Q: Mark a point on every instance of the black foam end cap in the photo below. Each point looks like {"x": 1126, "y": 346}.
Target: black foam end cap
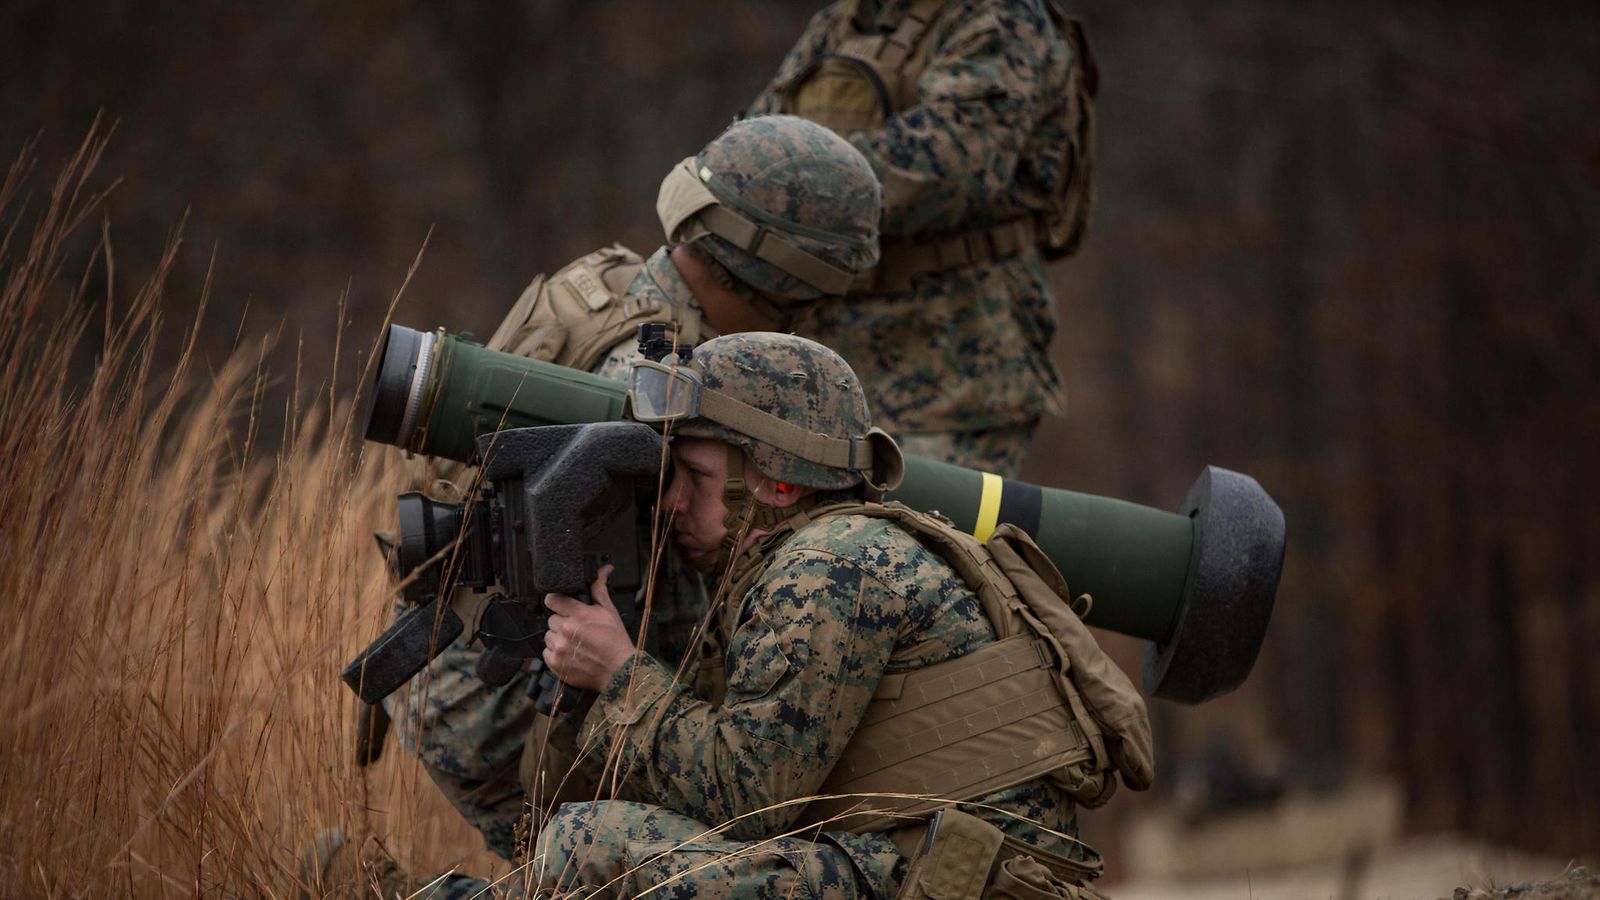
{"x": 1233, "y": 582}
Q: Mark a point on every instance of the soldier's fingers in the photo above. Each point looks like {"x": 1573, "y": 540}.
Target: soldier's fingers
{"x": 560, "y": 603}
{"x": 598, "y": 590}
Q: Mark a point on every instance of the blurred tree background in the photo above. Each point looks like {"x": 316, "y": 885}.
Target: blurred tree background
{"x": 1351, "y": 249}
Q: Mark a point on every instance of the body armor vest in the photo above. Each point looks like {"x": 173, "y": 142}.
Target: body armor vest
{"x": 574, "y": 317}
{"x": 867, "y": 77}
{"x": 1043, "y": 700}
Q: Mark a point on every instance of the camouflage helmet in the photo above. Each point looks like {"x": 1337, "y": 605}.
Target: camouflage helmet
{"x": 787, "y": 206}
{"x": 828, "y": 441}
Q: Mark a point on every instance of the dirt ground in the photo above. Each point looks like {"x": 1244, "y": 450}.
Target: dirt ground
{"x": 1422, "y": 868}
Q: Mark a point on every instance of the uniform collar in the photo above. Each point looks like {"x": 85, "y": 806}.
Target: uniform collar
{"x": 661, "y": 280}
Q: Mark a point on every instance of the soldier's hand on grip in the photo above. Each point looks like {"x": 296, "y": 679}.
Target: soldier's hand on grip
{"x": 586, "y": 643}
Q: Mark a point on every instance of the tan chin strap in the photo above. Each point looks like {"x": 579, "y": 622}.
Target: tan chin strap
{"x": 689, "y": 211}
{"x": 747, "y": 512}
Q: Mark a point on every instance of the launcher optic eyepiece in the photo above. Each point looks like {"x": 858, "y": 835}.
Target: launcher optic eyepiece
{"x": 1199, "y": 584}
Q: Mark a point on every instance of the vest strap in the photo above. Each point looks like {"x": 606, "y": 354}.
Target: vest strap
{"x": 989, "y": 664}
{"x": 902, "y": 258}
{"x": 953, "y": 730}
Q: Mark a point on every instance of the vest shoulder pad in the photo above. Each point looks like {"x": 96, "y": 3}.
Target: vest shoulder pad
{"x": 573, "y": 317}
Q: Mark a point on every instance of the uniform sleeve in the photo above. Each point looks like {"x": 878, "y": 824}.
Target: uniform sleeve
{"x": 948, "y": 161}
{"x": 813, "y": 641}
{"x": 805, "y": 51}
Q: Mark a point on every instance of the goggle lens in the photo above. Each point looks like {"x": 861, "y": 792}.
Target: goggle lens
{"x": 660, "y": 393}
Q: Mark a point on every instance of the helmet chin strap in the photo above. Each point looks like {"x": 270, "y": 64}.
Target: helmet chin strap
{"x": 746, "y": 511}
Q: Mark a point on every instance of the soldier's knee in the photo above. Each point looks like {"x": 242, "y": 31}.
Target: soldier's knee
{"x": 582, "y": 844}
{"x": 568, "y": 819}
{"x": 592, "y": 821}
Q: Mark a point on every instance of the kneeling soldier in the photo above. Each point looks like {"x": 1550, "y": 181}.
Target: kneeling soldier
{"x": 898, "y": 709}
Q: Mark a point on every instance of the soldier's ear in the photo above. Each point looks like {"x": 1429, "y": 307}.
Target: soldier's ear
{"x": 783, "y": 499}
{"x": 778, "y": 494}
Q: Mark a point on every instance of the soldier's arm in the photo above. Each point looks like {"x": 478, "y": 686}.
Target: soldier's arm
{"x": 799, "y": 58}
{"x": 814, "y": 639}
{"x": 953, "y": 156}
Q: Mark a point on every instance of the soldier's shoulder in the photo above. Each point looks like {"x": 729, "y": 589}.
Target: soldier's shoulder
{"x": 615, "y": 254}
{"x": 1015, "y": 19}
{"x": 599, "y": 276}
{"x": 878, "y": 546}
{"x": 843, "y": 532}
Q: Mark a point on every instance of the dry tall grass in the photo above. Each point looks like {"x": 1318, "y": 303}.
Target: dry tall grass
{"x": 179, "y": 601}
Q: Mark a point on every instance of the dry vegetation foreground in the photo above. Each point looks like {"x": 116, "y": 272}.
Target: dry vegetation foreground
{"x": 180, "y": 602}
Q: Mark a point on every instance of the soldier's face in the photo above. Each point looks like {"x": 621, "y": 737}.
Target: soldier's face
{"x": 725, "y": 307}
{"x": 700, "y": 469}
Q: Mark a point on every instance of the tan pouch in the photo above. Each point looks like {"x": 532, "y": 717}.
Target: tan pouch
{"x": 843, "y": 94}
{"x": 1024, "y": 878}
{"x": 1110, "y": 697}
{"x": 574, "y": 317}
{"x": 955, "y": 858}
{"x": 962, "y": 857}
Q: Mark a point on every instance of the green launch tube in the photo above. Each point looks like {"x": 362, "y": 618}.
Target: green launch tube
{"x": 436, "y": 392}
{"x": 1130, "y": 559}
{"x": 1198, "y": 584}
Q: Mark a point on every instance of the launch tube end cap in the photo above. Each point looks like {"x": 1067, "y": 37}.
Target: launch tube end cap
{"x": 1233, "y": 580}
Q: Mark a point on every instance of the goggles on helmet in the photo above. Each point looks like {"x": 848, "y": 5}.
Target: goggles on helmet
{"x": 661, "y": 393}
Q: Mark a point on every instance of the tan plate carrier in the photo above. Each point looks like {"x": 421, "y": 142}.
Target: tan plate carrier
{"x": 1043, "y": 700}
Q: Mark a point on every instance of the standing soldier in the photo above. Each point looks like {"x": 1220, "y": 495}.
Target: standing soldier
{"x": 977, "y": 116}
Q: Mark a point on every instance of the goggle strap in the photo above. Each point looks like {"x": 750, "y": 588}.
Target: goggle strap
{"x": 853, "y": 453}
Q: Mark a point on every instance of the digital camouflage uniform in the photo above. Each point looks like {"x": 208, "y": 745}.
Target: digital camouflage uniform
{"x": 999, "y": 122}
{"x": 835, "y": 605}
{"x": 469, "y": 735}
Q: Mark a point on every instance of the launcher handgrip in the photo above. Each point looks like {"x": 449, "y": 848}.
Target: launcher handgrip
{"x": 410, "y": 643}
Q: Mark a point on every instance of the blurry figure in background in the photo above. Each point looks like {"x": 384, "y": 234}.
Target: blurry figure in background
{"x": 776, "y": 211}
{"x": 978, "y": 117}
{"x": 1227, "y": 777}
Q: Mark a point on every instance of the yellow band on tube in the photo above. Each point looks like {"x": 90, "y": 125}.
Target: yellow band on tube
{"x": 988, "y": 507}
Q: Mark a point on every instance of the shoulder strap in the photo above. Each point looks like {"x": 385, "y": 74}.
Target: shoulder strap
{"x": 899, "y": 54}
{"x": 896, "y": 43}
